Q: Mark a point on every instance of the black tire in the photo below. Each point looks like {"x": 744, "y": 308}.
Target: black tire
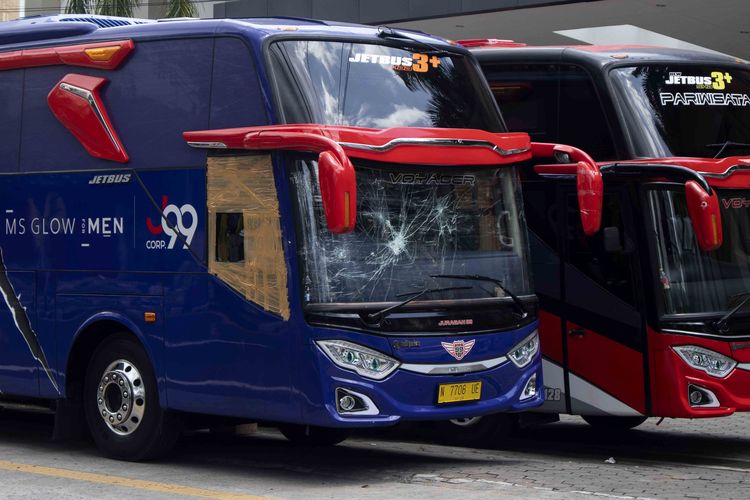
{"x": 150, "y": 434}
{"x": 616, "y": 424}
{"x": 478, "y": 432}
{"x": 313, "y": 436}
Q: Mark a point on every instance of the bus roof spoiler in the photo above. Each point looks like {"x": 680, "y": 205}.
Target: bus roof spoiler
{"x": 489, "y": 43}
{"x": 702, "y": 201}
{"x": 335, "y": 145}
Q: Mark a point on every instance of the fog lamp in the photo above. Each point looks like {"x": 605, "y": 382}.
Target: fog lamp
{"x": 347, "y": 403}
{"x": 696, "y": 397}
{"x": 530, "y": 390}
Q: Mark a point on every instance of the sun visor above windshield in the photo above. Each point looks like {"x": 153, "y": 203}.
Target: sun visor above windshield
{"x": 404, "y": 145}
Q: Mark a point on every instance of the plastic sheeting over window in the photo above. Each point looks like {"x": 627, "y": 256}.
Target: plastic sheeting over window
{"x": 245, "y": 185}
{"x": 412, "y": 224}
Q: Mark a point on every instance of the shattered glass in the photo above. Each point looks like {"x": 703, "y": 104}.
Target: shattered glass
{"x": 412, "y": 224}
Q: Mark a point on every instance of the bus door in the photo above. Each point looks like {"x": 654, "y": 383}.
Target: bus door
{"x": 603, "y": 329}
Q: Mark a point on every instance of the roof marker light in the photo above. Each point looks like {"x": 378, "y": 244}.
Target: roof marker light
{"x": 102, "y": 53}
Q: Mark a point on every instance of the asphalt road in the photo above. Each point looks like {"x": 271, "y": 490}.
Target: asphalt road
{"x": 678, "y": 459}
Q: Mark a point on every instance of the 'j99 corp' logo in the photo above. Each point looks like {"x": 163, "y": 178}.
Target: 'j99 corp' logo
{"x": 177, "y": 223}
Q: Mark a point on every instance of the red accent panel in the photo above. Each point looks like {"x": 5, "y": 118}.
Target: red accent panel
{"x": 489, "y": 43}
{"x": 670, "y": 376}
{"x": 740, "y": 351}
{"x": 738, "y": 179}
{"x": 590, "y": 196}
{"x": 550, "y": 336}
{"x": 338, "y": 183}
{"x": 609, "y": 365}
{"x": 70, "y": 55}
{"x": 338, "y": 188}
{"x": 79, "y": 116}
{"x": 589, "y": 182}
{"x": 705, "y": 215}
{"x": 404, "y": 153}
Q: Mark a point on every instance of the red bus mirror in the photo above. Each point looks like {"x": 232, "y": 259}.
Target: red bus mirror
{"x": 704, "y": 215}
{"x": 590, "y": 193}
{"x": 338, "y": 189}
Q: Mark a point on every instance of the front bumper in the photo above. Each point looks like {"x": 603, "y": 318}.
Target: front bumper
{"x": 671, "y": 378}
{"x": 406, "y": 395}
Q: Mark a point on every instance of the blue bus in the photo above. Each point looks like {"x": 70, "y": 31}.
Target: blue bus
{"x": 311, "y": 224}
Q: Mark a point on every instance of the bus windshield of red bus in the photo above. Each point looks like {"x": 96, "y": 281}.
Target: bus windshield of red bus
{"x": 692, "y": 281}
{"x": 378, "y": 86}
{"x": 687, "y": 110}
{"x": 412, "y": 224}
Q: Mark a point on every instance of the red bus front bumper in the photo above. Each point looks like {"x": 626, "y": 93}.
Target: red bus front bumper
{"x": 671, "y": 377}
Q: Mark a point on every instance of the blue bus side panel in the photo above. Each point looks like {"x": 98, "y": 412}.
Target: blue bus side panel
{"x": 11, "y": 86}
{"x": 160, "y": 91}
{"x": 236, "y": 96}
{"x": 224, "y": 355}
{"x": 77, "y": 230}
{"x": 18, "y": 368}
{"x": 99, "y": 221}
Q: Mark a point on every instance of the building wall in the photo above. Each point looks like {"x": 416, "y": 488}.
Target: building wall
{"x": 13, "y": 9}
{"x": 367, "y": 11}
{"x": 9, "y": 9}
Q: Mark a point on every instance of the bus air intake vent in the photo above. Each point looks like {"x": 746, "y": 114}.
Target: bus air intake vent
{"x": 103, "y": 22}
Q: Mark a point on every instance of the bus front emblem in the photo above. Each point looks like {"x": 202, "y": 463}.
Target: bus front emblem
{"x": 458, "y": 348}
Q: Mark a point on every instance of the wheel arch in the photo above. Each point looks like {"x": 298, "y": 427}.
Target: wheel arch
{"x": 89, "y": 336}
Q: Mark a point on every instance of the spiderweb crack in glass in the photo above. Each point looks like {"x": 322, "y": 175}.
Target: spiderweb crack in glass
{"x": 407, "y": 231}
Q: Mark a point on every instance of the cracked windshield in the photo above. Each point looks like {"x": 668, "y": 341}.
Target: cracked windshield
{"x": 411, "y": 225}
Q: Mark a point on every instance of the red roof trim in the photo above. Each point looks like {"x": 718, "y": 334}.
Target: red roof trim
{"x": 406, "y": 145}
{"x": 69, "y": 55}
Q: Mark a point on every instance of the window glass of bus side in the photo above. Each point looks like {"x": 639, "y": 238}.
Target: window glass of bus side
{"x": 582, "y": 122}
{"x": 610, "y": 268}
{"x": 527, "y": 97}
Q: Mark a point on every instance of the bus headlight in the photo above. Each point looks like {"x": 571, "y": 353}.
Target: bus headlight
{"x": 706, "y": 360}
{"x": 366, "y": 362}
{"x": 524, "y": 352}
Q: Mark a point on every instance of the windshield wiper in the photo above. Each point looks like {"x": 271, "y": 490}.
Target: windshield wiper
{"x": 378, "y": 315}
{"x": 722, "y": 324}
{"x": 475, "y": 277}
{"x": 387, "y": 32}
{"x": 725, "y": 145}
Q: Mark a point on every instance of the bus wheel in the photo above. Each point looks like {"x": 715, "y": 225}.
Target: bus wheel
{"x": 613, "y": 423}
{"x": 121, "y": 402}
{"x": 482, "y": 432}
{"x": 312, "y": 435}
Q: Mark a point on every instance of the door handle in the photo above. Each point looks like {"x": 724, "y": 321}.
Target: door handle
{"x": 576, "y": 332}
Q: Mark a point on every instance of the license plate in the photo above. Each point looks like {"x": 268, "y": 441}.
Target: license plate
{"x": 451, "y": 393}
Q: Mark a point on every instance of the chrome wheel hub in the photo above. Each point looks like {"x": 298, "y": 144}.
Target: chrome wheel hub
{"x": 121, "y": 397}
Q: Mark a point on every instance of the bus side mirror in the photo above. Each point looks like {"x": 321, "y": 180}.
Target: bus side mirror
{"x": 704, "y": 215}
{"x": 338, "y": 189}
{"x": 590, "y": 193}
